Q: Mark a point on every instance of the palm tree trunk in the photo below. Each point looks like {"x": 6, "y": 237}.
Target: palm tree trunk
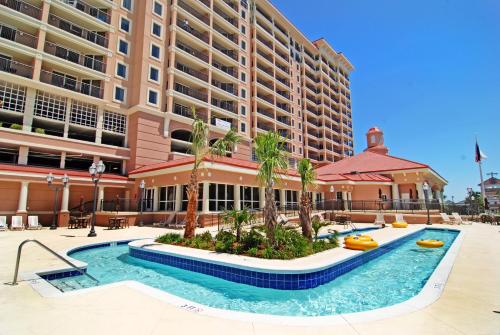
{"x": 305, "y": 215}
{"x": 270, "y": 214}
{"x": 192, "y": 194}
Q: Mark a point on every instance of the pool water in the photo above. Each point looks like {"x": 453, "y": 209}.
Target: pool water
{"x": 389, "y": 279}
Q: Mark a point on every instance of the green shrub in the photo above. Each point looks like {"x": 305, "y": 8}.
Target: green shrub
{"x": 252, "y": 252}
{"x": 205, "y": 237}
{"x": 170, "y": 238}
{"x": 268, "y": 253}
{"x": 224, "y": 241}
{"x": 39, "y": 130}
{"x": 290, "y": 243}
{"x": 16, "y": 126}
{"x": 334, "y": 240}
{"x": 251, "y": 239}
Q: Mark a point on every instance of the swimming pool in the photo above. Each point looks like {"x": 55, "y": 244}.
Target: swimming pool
{"x": 386, "y": 280}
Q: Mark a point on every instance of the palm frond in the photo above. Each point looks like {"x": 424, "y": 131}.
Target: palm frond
{"x": 273, "y": 159}
{"x": 225, "y": 144}
{"x": 307, "y": 174}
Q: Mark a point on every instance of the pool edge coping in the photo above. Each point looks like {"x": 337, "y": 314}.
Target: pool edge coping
{"x": 431, "y": 292}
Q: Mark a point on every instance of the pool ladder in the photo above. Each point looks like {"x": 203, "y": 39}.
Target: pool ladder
{"x": 20, "y": 248}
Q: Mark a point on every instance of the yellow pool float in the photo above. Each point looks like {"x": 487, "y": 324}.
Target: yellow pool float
{"x": 430, "y": 243}
{"x": 399, "y": 225}
{"x": 360, "y": 242}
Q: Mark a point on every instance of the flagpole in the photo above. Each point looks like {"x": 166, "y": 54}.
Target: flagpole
{"x": 483, "y": 193}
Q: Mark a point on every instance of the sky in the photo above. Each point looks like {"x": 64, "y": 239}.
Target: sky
{"x": 427, "y": 73}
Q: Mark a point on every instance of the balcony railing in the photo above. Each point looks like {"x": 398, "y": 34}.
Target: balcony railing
{"x": 264, "y": 27}
{"x": 76, "y": 30}
{"x": 75, "y": 57}
{"x": 284, "y": 81}
{"x": 231, "y": 4}
{"x": 191, "y": 51}
{"x": 229, "y": 70}
{"x": 184, "y": 25}
{"x": 226, "y": 17}
{"x": 266, "y": 113}
{"x": 264, "y": 127}
{"x": 90, "y": 10}
{"x": 17, "y": 68}
{"x": 284, "y": 120}
{"x": 228, "y": 52}
{"x": 284, "y": 94}
{"x": 283, "y": 106}
{"x": 225, "y": 87}
{"x": 232, "y": 37}
{"x": 283, "y": 68}
{"x": 266, "y": 98}
{"x": 23, "y": 7}
{"x": 226, "y": 105}
{"x": 267, "y": 43}
{"x": 205, "y": 2}
{"x": 18, "y": 36}
{"x": 264, "y": 83}
{"x": 191, "y": 92}
{"x": 191, "y": 72}
{"x": 283, "y": 56}
{"x": 202, "y": 17}
{"x": 70, "y": 83}
{"x": 264, "y": 14}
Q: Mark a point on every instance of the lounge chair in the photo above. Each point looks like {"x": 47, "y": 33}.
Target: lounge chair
{"x": 282, "y": 219}
{"x": 33, "y": 222}
{"x": 446, "y": 219}
{"x": 163, "y": 223}
{"x": 379, "y": 219}
{"x": 182, "y": 224}
{"x": 3, "y": 223}
{"x": 400, "y": 222}
{"x": 458, "y": 219}
{"x": 16, "y": 223}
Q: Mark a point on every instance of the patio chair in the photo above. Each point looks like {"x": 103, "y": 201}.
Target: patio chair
{"x": 282, "y": 219}
{"x": 167, "y": 221}
{"x": 458, "y": 218}
{"x": 33, "y": 222}
{"x": 446, "y": 219}
{"x": 400, "y": 218}
{"x": 379, "y": 219}
{"x": 3, "y": 223}
{"x": 16, "y": 223}
{"x": 182, "y": 224}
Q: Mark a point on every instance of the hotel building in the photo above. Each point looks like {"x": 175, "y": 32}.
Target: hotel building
{"x": 83, "y": 81}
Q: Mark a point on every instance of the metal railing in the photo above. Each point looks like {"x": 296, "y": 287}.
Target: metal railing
{"x": 88, "y": 9}
{"x": 23, "y": 7}
{"x": 17, "y": 68}
{"x": 184, "y": 25}
{"x": 407, "y": 206}
{"x": 75, "y": 57}
{"x": 191, "y": 51}
{"x": 70, "y": 83}
{"x": 18, "y": 260}
{"x": 191, "y": 92}
{"x": 76, "y": 30}
{"x": 18, "y": 36}
{"x": 204, "y": 18}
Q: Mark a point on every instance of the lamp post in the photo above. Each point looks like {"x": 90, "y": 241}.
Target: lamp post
{"x": 142, "y": 185}
{"x": 50, "y": 182}
{"x": 426, "y": 195}
{"x": 96, "y": 172}
{"x": 332, "y": 191}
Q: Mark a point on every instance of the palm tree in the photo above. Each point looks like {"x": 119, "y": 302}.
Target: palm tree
{"x": 200, "y": 148}
{"x": 307, "y": 178}
{"x": 273, "y": 159}
{"x": 238, "y": 218}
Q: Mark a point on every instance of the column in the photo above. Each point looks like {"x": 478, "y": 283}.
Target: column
{"x": 23, "y": 198}
{"x": 65, "y": 199}
{"x": 178, "y": 198}
{"x": 344, "y": 198}
{"x": 100, "y": 197}
{"x": 127, "y": 200}
{"x": 23, "y": 155}
{"x": 438, "y": 196}
{"x": 237, "y": 197}
{"x": 349, "y": 198}
{"x": 100, "y": 118}
{"x": 262, "y": 198}
{"x": 62, "y": 163}
{"x": 205, "y": 207}
{"x": 29, "y": 107}
{"x": 283, "y": 198}
{"x": 66, "y": 120}
{"x": 395, "y": 196}
{"x": 156, "y": 198}
{"x": 420, "y": 191}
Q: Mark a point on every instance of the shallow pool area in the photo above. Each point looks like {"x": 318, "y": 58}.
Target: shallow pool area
{"x": 391, "y": 278}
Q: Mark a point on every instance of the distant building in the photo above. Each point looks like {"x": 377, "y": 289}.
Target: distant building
{"x": 492, "y": 190}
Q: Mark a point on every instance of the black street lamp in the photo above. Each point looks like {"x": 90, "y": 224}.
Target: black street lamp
{"x": 96, "y": 172}
{"x": 426, "y": 195}
{"x": 142, "y": 185}
{"x": 55, "y": 188}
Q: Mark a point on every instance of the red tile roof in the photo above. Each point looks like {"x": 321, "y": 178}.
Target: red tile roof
{"x": 368, "y": 162}
{"x": 55, "y": 171}
{"x": 366, "y": 177}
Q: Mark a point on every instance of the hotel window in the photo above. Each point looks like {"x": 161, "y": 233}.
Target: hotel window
{"x": 291, "y": 199}
{"x": 243, "y": 14}
{"x": 124, "y": 24}
{"x": 249, "y": 197}
{"x": 158, "y": 8}
{"x": 243, "y": 76}
{"x": 243, "y": 30}
{"x": 152, "y": 97}
{"x": 48, "y": 105}
{"x": 115, "y": 122}
{"x": 123, "y": 47}
{"x": 243, "y": 110}
{"x": 155, "y": 51}
{"x": 243, "y": 127}
{"x": 185, "y": 197}
{"x": 121, "y": 70}
{"x": 119, "y": 94}
{"x": 83, "y": 114}
{"x": 243, "y": 60}
{"x": 220, "y": 197}
{"x": 156, "y": 29}
{"x": 154, "y": 74}
{"x": 243, "y": 93}
{"x": 166, "y": 200}
{"x": 243, "y": 45}
{"x": 127, "y": 4}
{"x": 12, "y": 97}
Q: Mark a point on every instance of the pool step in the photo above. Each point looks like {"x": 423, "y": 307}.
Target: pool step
{"x": 72, "y": 284}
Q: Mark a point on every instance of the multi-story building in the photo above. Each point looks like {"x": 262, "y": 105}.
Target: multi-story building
{"x": 89, "y": 80}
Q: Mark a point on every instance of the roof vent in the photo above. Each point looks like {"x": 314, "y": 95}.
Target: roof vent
{"x": 354, "y": 172}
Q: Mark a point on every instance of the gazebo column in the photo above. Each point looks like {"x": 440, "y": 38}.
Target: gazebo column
{"x": 63, "y": 218}
{"x": 22, "y": 204}
{"x": 178, "y": 198}
{"x": 421, "y": 195}
{"x": 344, "y": 198}
{"x": 237, "y": 197}
{"x": 100, "y": 197}
{"x": 205, "y": 205}
{"x": 262, "y": 197}
{"x": 395, "y": 195}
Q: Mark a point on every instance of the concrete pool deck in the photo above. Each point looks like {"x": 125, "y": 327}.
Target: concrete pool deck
{"x": 465, "y": 307}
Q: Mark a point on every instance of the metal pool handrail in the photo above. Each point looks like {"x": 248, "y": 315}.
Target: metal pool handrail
{"x": 19, "y": 249}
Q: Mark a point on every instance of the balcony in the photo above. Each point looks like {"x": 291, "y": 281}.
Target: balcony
{"x": 226, "y": 105}
{"x": 265, "y": 84}
{"x": 265, "y": 98}
{"x": 266, "y": 43}
{"x": 71, "y": 83}
{"x": 226, "y": 17}
{"x": 284, "y": 120}
{"x": 14, "y": 67}
{"x": 231, "y": 4}
{"x": 283, "y": 81}
{"x": 228, "y": 52}
{"x": 264, "y": 127}
{"x": 228, "y": 87}
{"x": 283, "y": 106}
{"x": 231, "y": 37}
{"x": 264, "y": 14}
{"x": 203, "y": 18}
{"x": 229, "y": 70}
{"x": 284, "y": 94}
{"x": 89, "y": 10}
{"x": 191, "y": 51}
{"x": 76, "y": 57}
{"x": 186, "y": 27}
{"x": 191, "y": 92}
{"x": 187, "y": 112}
{"x": 265, "y": 113}
{"x": 191, "y": 72}
{"x": 91, "y": 36}
{"x": 283, "y": 56}
{"x": 283, "y": 68}
{"x": 23, "y": 7}
{"x": 18, "y": 36}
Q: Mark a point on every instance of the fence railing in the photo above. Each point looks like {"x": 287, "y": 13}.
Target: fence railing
{"x": 407, "y": 206}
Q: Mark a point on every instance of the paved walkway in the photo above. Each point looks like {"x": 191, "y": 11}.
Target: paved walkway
{"x": 466, "y": 306}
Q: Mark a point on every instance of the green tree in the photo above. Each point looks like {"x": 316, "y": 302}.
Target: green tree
{"x": 273, "y": 160}
{"x": 308, "y": 179}
{"x": 237, "y": 218}
{"x": 200, "y": 148}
